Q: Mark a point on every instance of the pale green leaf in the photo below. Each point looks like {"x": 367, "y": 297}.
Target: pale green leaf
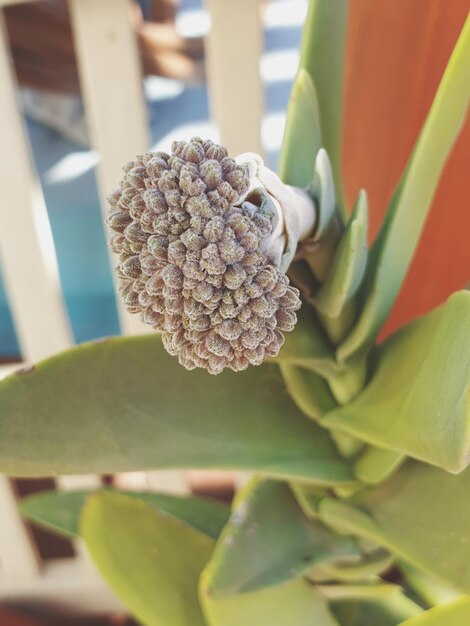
{"x": 268, "y": 541}
{"x": 308, "y": 390}
{"x": 320, "y": 248}
{"x": 390, "y": 610}
{"x": 60, "y": 510}
{"x": 322, "y": 190}
{"x": 307, "y": 346}
{"x": 418, "y": 400}
{"x": 357, "y": 591}
{"x": 308, "y": 498}
{"x": 456, "y": 613}
{"x": 348, "y": 266}
{"x": 125, "y": 404}
{"x": 151, "y": 560}
{"x": 394, "y": 248}
{"x": 376, "y": 464}
{"x": 322, "y": 56}
{"x": 302, "y": 134}
{"x": 421, "y": 514}
{"x": 370, "y": 565}
{"x": 432, "y": 590}
{"x": 293, "y": 603}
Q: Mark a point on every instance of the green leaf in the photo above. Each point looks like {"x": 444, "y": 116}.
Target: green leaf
{"x": 357, "y": 591}
{"x": 390, "y": 610}
{"x": 376, "y": 464}
{"x": 308, "y": 498}
{"x": 60, "y": 511}
{"x": 293, "y": 603}
{"x": 370, "y": 565}
{"x": 455, "y": 614}
{"x": 319, "y": 250}
{"x": 151, "y": 560}
{"x": 308, "y": 390}
{"x": 307, "y": 346}
{"x": 432, "y": 590}
{"x": 421, "y": 514}
{"x": 418, "y": 400}
{"x": 125, "y": 404}
{"x": 348, "y": 266}
{"x": 322, "y": 190}
{"x": 268, "y": 541}
{"x": 302, "y": 134}
{"x": 394, "y": 248}
{"x": 322, "y": 57}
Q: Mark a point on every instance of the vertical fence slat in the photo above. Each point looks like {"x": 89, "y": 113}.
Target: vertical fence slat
{"x": 18, "y": 559}
{"x": 233, "y": 51}
{"x": 111, "y": 84}
{"x": 168, "y": 481}
{"x": 31, "y": 275}
{"x": 32, "y": 283}
{"x": 28, "y": 258}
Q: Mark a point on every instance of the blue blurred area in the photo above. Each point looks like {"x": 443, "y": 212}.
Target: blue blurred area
{"x": 67, "y": 177}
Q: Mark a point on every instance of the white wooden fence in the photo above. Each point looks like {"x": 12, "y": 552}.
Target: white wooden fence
{"x": 109, "y": 66}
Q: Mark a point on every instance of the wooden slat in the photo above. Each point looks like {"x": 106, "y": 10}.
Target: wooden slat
{"x": 26, "y": 246}
{"x": 67, "y": 586}
{"x": 18, "y": 559}
{"x": 111, "y": 84}
{"x": 233, "y": 50}
{"x": 31, "y": 275}
{"x": 4, "y": 3}
{"x": 168, "y": 481}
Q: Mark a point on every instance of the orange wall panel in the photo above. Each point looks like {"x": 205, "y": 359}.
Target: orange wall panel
{"x": 397, "y": 51}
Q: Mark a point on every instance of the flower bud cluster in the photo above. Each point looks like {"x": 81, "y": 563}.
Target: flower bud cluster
{"x": 192, "y": 262}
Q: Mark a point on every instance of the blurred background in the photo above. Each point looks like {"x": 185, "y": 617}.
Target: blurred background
{"x": 86, "y": 85}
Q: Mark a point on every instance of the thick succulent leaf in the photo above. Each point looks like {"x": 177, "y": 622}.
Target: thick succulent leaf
{"x": 151, "y": 560}
{"x": 302, "y": 134}
{"x": 370, "y": 565}
{"x": 308, "y": 498}
{"x": 322, "y": 56}
{"x": 322, "y": 190}
{"x": 456, "y": 613}
{"x": 394, "y": 248}
{"x": 418, "y": 400}
{"x": 308, "y": 390}
{"x": 376, "y": 464}
{"x": 357, "y": 591}
{"x": 125, "y": 404}
{"x": 61, "y": 511}
{"x": 268, "y": 541}
{"x": 390, "y": 610}
{"x": 432, "y": 590}
{"x": 295, "y": 602}
{"x": 421, "y": 514}
{"x": 320, "y": 248}
{"x": 349, "y": 263}
{"x": 308, "y": 346}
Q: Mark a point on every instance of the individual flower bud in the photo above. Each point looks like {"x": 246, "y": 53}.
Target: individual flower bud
{"x": 204, "y": 243}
